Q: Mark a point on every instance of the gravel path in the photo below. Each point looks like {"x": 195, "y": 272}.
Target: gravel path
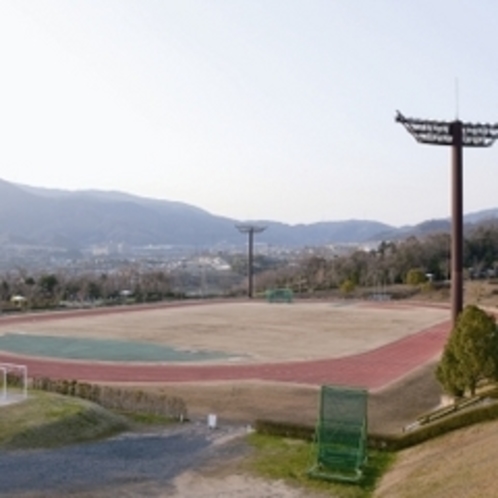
{"x": 141, "y": 464}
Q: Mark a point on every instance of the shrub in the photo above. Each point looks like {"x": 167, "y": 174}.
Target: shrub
{"x": 415, "y": 276}
{"x": 471, "y": 353}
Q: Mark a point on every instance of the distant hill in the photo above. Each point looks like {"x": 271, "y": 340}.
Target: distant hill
{"x": 439, "y": 225}
{"x": 420, "y": 230}
{"x": 79, "y": 219}
{"x": 479, "y": 216}
{"x": 322, "y": 233}
{"x": 86, "y": 218}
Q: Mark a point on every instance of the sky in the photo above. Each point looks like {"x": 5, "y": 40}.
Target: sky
{"x": 251, "y": 109}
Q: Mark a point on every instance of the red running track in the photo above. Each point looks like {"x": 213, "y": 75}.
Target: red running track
{"x": 371, "y": 370}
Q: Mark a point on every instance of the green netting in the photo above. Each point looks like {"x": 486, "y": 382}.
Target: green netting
{"x": 341, "y": 434}
{"x": 279, "y": 295}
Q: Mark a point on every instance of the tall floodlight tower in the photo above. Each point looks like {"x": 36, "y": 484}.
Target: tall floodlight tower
{"x": 250, "y": 230}
{"x": 457, "y": 135}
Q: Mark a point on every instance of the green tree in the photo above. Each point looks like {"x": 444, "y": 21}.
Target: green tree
{"x": 48, "y": 284}
{"x": 415, "y": 277}
{"x": 94, "y": 290}
{"x": 471, "y": 353}
{"x": 347, "y": 287}
{"x": 4, "y": 290}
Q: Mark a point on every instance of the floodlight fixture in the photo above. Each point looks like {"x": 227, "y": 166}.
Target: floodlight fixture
{"x": 433, "y": 132}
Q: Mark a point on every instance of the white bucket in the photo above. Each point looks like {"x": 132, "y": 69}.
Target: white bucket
{"x": 211, "y": 421}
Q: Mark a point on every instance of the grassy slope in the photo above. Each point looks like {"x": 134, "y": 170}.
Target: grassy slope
{"x": 459, "y": 464}
{"x": 47, "y": 420}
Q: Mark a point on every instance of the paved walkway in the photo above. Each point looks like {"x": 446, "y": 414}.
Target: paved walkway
{"x": 128, "y": 465}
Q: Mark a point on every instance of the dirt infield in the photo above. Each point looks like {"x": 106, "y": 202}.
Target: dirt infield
{"x": 302, "y": 343}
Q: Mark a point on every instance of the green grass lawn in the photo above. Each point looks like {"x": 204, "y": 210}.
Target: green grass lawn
{"x": 48, "y": 420}
{"x": 290, "y": 459}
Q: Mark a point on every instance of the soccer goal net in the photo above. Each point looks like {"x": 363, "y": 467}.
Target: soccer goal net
{"x": 279, "y": 295}
{"x": 13, "y": 382}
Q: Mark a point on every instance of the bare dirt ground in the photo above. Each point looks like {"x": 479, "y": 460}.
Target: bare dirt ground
{"x": 254, "y": 332}
{"x": 243, "y": 402}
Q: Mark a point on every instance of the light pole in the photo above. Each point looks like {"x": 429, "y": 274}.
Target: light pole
{"x": 457, "y": 135}
{"x": 250, "y": 230}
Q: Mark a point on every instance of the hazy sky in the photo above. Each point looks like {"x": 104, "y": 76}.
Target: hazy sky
{"x": 269, "y": 109}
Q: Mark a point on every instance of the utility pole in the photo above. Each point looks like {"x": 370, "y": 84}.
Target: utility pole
{"x": 250, "y": 230}
{"x": 457, "y": 135}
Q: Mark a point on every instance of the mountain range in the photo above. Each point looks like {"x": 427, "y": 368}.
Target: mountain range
{"x": 79, "y": 219}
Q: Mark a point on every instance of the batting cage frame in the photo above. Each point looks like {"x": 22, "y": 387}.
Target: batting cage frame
{"x": 340, "y": 445}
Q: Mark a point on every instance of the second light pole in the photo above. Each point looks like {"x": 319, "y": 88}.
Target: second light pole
{"x": 250, "y": 230}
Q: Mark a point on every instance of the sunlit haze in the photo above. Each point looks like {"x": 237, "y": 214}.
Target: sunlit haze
{"x": 280, "y": 110}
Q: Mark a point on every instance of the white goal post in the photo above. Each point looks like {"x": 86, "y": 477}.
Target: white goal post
{"x": 17, "y": 371}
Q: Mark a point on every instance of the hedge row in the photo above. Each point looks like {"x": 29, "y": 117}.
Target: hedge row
{"x": 113, "y": 398}
{"x": 487, "y": 411}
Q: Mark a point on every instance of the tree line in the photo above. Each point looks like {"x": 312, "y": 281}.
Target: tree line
{"x": 44, "y": 290}
{"x": 412, "y": 260}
